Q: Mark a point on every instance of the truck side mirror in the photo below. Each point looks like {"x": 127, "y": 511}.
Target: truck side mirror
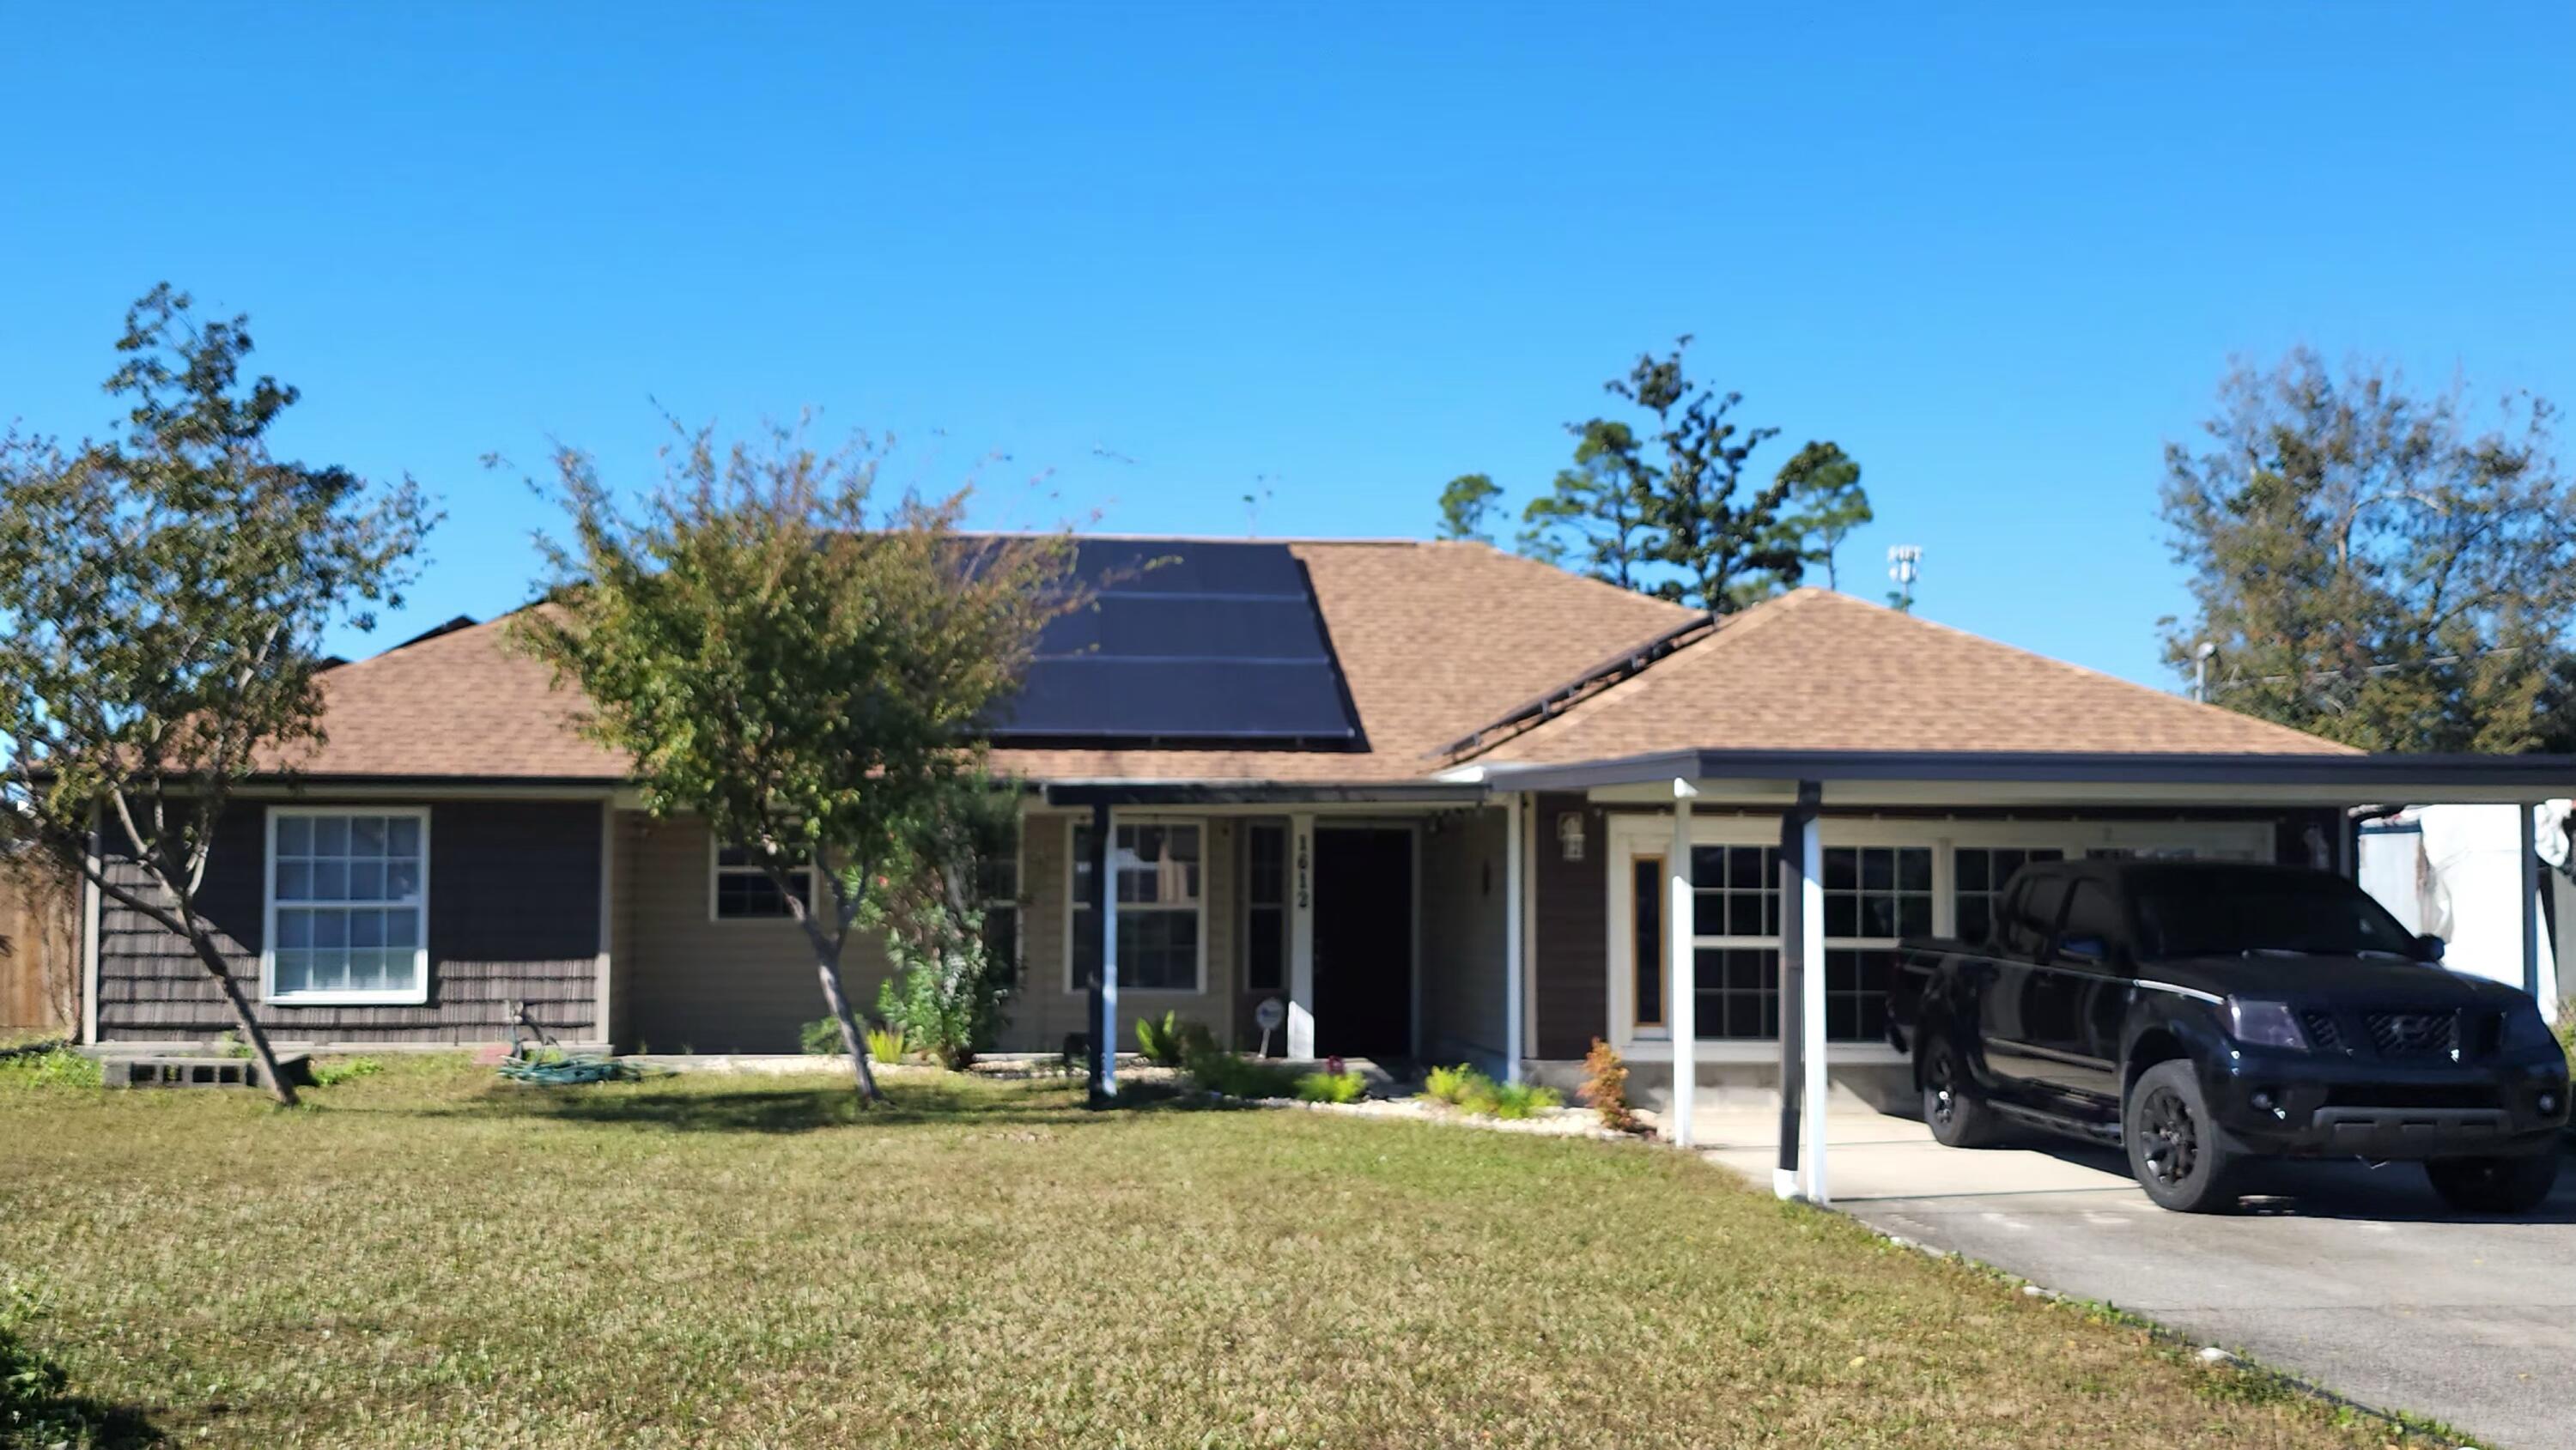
{"x": 2430, "y": 945}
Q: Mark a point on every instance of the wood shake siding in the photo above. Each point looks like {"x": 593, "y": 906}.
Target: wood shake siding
{"x": 1569, "y": 951}
{"x": 690, "y": 983}
{"x": 513, "y": 917}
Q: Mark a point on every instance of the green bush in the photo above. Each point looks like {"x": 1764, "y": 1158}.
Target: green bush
{"x": 1240, "y": 1077}
{"x": 332, "y": 1074}
{"x": 1171, "y": 1042}
{"x": 886, "y": 1044}
{"x": 33, "y": 1407}
{"x": 1515, "y": 1100}
{"x": 55, "y": 1067}
{"x": 821, "y": 1037}
{"x": 1331, "y": 1087}
{"x": 1455, "y": 1085}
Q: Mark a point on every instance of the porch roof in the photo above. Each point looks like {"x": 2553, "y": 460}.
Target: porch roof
{"x": 2008, "y": 777}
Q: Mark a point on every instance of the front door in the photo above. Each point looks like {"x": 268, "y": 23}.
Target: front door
{"x": 1363, "y": 942}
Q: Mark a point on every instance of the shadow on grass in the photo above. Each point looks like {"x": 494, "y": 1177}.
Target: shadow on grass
{"x": 35, "y": 1410}
{"x": 790, "y": 1110}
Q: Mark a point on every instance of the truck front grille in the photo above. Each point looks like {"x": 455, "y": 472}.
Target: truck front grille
{"x": 2413, "y": 1034}
{"x": 2325, "y": 1034}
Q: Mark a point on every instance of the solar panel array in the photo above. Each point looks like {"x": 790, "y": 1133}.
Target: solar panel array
{"x": 1185, "y": 642}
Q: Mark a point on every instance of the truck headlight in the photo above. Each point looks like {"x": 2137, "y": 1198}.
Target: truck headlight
{"x": 2264, "y": 1024}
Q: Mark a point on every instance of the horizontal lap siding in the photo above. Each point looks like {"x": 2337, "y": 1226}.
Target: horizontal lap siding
{"x": 1569, "y": 948}
{"x": 1463, "y": 898}
{"x": 1043, "y": 1012}
{"x": 513, "y": 917}
{"x": 693, "y": 984}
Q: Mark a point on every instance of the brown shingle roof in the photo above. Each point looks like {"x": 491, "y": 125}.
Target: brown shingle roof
{"x": 1813, "y": 670}
{"x": 1433, "y": 638}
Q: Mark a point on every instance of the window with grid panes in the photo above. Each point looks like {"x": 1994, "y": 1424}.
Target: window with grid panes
{"x": 1874, "y": 896}
{"x": 1978, "y": 874}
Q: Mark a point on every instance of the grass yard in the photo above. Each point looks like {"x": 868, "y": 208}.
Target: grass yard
{"x": 428, "y": 1258}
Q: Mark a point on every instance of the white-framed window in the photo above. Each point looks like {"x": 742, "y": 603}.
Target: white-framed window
{"x": 739, "y": 890}
{"x": 1883, "y": 880}
{"x": 997, "y": 891}
{"x": 1156, "y": 869}
{"x": 346, "y": 915}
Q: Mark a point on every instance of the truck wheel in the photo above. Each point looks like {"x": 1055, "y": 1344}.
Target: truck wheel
{"x": 2175, "y": 1150}
{"x": 1958, "y": 1117}
{"x": 2494, "y": 1185}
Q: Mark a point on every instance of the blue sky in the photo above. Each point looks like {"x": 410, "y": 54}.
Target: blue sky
{"x": 2000, "y": 254}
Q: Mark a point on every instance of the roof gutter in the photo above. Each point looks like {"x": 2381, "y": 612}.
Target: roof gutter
{"x": 2367, "y": 777}
{"x": 1201, "y": 793}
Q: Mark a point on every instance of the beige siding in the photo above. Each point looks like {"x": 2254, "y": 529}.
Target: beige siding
{"x": 1046, "y": 1010}
{"x": 1463, "y": 894}
{"x": 689, "y": 983}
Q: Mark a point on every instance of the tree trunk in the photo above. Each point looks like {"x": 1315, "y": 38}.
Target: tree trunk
{"x": 252, "y": 1033}
{"x": 852, "y": 1040}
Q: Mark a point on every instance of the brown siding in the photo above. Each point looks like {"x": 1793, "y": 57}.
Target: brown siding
{"x": 1569, "y": 948}
{"x": 1463, "y": 899}
{"x": 513, "y": 917}
{"x": 691, "y": 983}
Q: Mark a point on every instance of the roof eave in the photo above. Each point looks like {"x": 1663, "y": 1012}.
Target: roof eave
{"x": 2393, "y": 777}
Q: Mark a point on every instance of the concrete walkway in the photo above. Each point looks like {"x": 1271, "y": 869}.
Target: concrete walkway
{"x": 2356, "y": 1279}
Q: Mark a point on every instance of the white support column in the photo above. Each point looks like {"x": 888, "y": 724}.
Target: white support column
{"x": 1812, "y": 944}
{"x": 1515, "y": 945}
{"x": 2531, "y": 910}
{"x": 1109, "y": 953}
{"x": 90, "y": 913}
{"x": 1681, "y": 996}
{"x": 1301, "y": 935}
{"x": 606, "y": 964}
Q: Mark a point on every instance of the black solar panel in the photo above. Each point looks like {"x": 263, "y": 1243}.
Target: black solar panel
{"x": 1185, "y": 641}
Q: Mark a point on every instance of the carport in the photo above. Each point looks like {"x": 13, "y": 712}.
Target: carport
{"x": 1811, "y": 795}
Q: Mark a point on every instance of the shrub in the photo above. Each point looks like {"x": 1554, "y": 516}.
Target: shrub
{"x": 1454, "y": 1085}
{"x": 1331, "y": 1087}
{"x": 1516, "y": 1100}
{"x": 32, "y": 1404}
{"x": 332, "y": 1074}
{"x": 55, "y": 1067}
{"x": 1605, "y": 1088}
{"x": 885, "y": 1044}
{"x": 231, "y": 1045}
{"x": 947, "y": 997}
{"x": 1171, "y": 1042}
{"x": 821, "y": 1037}
{"x": 1240, "y": 1077}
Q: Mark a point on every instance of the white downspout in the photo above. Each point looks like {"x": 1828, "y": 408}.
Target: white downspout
{"x": 1515, "y": 963}
{"x": 1681, "y": 1005}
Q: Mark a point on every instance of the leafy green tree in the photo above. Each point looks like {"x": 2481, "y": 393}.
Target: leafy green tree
{"x": 2377, "y": 566}
{"x": 950, "y": 985}
{"x": 802, "y": 665}
{"x": 1464, "y": 503}
{"x": 1826, "y": 503}
{"x": 1594, "y": 516}
{"x": 163, "y": 597}
{"x": 1657, "y": 510}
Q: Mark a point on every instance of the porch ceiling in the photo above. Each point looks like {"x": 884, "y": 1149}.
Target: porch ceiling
{"x": 1991, "y": 778}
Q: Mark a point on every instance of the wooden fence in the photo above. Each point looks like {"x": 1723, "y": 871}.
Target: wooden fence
{"x": 40, "y": 947}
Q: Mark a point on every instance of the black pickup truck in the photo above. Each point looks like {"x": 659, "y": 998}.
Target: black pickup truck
{"x": 2203, "y": 1013}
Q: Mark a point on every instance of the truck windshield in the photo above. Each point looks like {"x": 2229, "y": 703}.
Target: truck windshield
{"x": 2214, "y": 914}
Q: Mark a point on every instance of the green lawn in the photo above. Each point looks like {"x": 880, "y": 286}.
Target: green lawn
{"x": 426, "y": 1258}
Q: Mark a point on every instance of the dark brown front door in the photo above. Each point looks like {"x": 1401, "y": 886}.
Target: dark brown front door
{"x": 1363, "y": 942}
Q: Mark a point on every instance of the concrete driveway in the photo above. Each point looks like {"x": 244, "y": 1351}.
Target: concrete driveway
{"x": 2348, "y": 1277}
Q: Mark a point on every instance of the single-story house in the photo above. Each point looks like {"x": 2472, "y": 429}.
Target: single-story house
{"x": 1437, "y": 801}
